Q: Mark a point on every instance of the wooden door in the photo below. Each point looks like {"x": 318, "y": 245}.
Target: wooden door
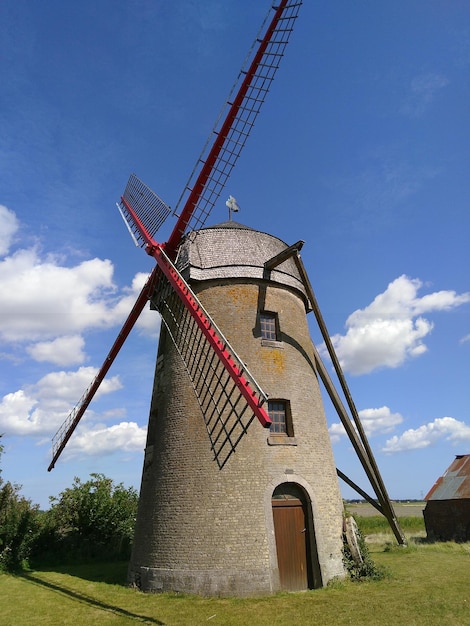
{"x": 290, "y": 529}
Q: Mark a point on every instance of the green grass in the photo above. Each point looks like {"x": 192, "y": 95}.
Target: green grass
{"x": 427, "y": 584}
{"x": 411, "y": 525}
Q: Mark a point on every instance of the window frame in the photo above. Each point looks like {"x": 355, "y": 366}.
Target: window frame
{"x": 286, "y": 436}
{"x": 273, "y": 319}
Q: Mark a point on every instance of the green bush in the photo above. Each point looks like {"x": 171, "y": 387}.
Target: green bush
{"x": 18, "y": 519}
{"x": 92, "y": 520}
{"x": 362, "y": 570}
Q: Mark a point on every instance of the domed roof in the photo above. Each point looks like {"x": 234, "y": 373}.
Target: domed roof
{"x": 229, "y": 224}
{"x": 231, "y": 250}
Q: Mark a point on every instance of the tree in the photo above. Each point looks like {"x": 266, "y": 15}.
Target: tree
{"x": 91, "y": 520}
{"x": 18, "y": 521}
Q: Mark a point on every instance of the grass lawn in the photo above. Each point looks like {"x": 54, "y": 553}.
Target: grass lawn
{"x": 426, "y": 584}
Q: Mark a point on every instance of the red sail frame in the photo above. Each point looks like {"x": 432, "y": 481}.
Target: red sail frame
{"x": 222, "y": 134}
{"x": 208, "y": 330}
{"x": 65, "y": 431}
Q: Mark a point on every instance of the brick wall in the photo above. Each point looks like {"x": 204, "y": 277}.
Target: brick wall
{"x": 207, "y": 530}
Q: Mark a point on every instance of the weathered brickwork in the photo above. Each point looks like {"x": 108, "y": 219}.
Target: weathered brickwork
{"x": 201, "y": 529}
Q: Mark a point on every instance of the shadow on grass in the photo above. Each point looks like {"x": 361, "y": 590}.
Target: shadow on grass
{"x": 111, "y": 572}
{"x": 88, "y": 600}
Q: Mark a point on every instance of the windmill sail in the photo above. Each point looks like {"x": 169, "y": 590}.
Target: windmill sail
{"x": 227, "y": 409}
{"x": 145, "y": 212}
{"x": 231, "y": 132}
{"x": 147, "y": 208}
{"x": 228, "y": 395}
{"x": 63, "y": 434}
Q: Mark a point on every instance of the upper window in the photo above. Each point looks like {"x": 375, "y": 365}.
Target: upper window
{"x": 268, "y": 326}
{"x": 279, "y": 413}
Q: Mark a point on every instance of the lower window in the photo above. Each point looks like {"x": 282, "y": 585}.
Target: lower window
{"x": 279, "y": 412}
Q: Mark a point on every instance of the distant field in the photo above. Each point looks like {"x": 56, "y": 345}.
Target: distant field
{"x": 402, "y": 509}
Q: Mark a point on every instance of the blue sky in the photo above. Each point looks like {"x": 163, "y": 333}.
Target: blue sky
{"x": 362, "y": 150}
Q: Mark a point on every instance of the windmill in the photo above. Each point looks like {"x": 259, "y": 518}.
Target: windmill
{"x": 229, "y": 506}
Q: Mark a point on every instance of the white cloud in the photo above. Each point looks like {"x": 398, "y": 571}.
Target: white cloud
{"x": 374, "y": 421}
{"x": 40, "y": 299}
{"x": 43, "y": 300}
{"x": 391, "y": 329}
{"x": 46, "y": 309}
{"x": 69, "y": 386}
{"x": 41, "y": 408}
{"x": 423, "y": 89}
{"x": 336, "y": 431}
{"x": 9, "y": 227}
{"x": 379, "y": 421}
{"x": 149, "y": 320}
{"x": 442, "y": 428}
{"x": 99, "y": 440}
{"x": 17, "y": 415}
{"x": 62, "y": 351}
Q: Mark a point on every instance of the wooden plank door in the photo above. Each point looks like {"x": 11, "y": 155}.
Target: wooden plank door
{"x": 290, "y": 529}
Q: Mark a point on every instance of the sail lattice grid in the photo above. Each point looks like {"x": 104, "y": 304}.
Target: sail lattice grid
{"x": 231, "y": 131}
{"x": 226, "y": 413}
{"x": 142, "y": 209}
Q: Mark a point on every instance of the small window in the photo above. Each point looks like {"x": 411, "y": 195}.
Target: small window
{"x": 279, "y": 412}
{"x": 268, "y": 326}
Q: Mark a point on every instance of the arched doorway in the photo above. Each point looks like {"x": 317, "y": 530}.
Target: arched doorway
{"x": 295, "y": 539}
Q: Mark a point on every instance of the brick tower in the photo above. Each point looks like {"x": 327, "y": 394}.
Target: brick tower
{"x": 269, "y": 516}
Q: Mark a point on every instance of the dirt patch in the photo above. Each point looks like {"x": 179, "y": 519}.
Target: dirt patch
{"x": 402, "y": 509}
